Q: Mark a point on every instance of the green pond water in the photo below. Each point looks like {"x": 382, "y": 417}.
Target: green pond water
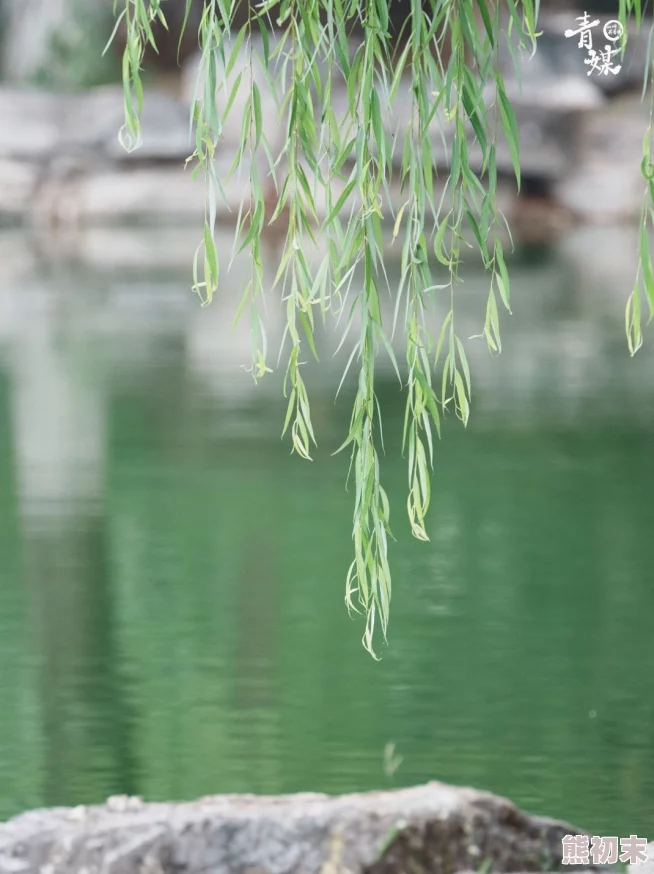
{"x": 172, "y": 621}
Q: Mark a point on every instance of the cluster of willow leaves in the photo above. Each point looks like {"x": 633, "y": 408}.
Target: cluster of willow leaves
{"x": 442, "y": 61}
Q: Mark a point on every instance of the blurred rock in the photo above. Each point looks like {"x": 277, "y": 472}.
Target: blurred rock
{"x": 94, "y": 119}
{"x": 565, "y": 58}
{"x": 648, "y": 866}
{"x": 149, "y": 195}
{"x": 554, "y": 78}
{"x": 271, "y": 101}
{"x": 115, "y": 248}
{"x": 601, "y": 191}
{"x": 545, "y": 144}
{"x": 31, "y": 123}
{"x": 603, "y": 181}
{"x": 61, "y": 160}
{"x": 554, "y": 93}
{"x": 41, "y": 126}
{"x": 18, "y": 184}
{"x": 539, "y": 220}
{"x": 434, "y": 828}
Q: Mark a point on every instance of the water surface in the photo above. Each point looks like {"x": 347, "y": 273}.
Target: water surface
{"x": 172, "y": 620}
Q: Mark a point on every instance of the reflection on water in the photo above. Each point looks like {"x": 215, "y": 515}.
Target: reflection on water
{"x": 171, "y": 581}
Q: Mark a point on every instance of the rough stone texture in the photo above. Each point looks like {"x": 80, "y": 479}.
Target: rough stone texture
{"x": 434, "y": 828}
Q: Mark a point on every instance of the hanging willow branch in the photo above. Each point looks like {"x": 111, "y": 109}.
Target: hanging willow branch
{"x": 445, "y": 65}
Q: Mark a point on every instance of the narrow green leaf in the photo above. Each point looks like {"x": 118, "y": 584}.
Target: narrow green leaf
{"x": 510, "y": 127}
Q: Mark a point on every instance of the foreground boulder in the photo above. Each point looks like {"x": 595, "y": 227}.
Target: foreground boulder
{"x": 432, "y": 829}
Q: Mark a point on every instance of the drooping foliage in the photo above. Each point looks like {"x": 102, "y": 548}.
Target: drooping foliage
{"x": 331, "y": 178}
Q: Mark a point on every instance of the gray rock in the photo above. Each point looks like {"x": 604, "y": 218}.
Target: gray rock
{"x": 554, "y": 76}
{"x": 545, "y": 142}
{"x": 648, "y": 866}
{"x": 18, "y": 183}
{"x": 271, "y": 89}
{"x": 553, "y": 93}
{"x": 40, "y": 126}
{"x": 433, "y": 828}
{"x": 110, "y": 196}
{"x": 604, "y": 181}
{"x": 601, "y": 192}
{"x": 90, "y": 122}
{"x": 563, "y": 55}
{"x": 60, "y": 158}
{"x": 31, "y": 123}
{"x": 557, "y": 76}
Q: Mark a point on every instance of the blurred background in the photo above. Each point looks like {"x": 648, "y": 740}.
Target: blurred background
{"x": 171, "y": 581}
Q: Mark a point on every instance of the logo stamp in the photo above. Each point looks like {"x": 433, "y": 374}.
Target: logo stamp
{"x": 599, "y": 61}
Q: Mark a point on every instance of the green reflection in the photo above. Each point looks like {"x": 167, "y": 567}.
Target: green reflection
{"x": 183, "y": 632}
